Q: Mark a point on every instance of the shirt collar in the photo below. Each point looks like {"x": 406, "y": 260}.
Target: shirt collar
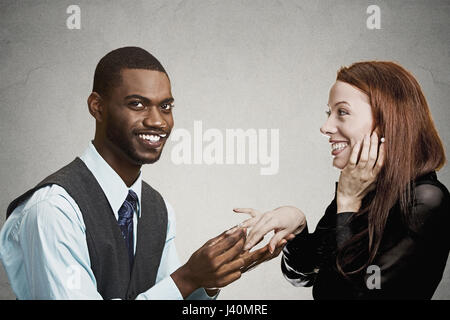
{"x": 116, "y": 191}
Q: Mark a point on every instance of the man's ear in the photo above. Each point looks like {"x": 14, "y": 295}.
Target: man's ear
{"x": 96, "y": 106}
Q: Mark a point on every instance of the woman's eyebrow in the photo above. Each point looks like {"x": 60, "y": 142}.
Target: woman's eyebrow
{"x": 339, "y": 102}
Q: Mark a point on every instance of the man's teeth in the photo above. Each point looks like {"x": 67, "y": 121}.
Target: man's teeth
{"x": 338, "y": 146}
{"x": 152, "y": 137}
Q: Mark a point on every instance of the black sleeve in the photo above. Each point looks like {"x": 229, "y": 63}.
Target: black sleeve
{"x": 298, "y": 261}
{"x": 413, "y": 266}
{"x": 302, "y": 256}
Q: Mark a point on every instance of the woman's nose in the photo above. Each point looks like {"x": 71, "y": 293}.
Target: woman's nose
{"x": 328, "y": 127}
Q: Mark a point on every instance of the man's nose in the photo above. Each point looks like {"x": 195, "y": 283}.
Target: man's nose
{"x": 154, "y": 118}
{"x": 329, "y": 127}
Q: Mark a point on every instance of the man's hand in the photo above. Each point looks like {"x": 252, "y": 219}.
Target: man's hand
{"x": 216, "y": 264}
{"x": 253, "y": 259}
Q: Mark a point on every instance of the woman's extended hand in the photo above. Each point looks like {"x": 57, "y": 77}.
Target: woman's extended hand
{"x": 286, "y": 222}
{"x": 359, "y": 176}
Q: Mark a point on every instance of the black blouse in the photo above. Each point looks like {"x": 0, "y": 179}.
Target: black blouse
{"x": 411, "y": 258}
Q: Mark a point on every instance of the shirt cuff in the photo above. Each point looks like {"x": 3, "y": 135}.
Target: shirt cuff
{"x": 299, "y": 239}
{"x": 165, "y": 289}
{"x": 200, "y": 294}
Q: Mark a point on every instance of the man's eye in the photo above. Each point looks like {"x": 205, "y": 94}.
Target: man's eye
{"x": 167, "y": 106}
{"x": 136, "y": 104}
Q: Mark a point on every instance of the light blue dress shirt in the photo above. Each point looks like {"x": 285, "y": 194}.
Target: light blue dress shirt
{"x": 43, "y": 243}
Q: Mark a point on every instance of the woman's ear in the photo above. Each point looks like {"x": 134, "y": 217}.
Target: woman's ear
{"x": 96, "y": 107}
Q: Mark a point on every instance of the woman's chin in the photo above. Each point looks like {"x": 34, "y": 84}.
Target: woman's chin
{"x": 339, "y": 163}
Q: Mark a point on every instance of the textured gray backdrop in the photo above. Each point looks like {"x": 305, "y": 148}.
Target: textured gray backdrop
{"x": 233, "y": 64}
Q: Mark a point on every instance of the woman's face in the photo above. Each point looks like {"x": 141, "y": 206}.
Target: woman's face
{"x": 349, "y": 119}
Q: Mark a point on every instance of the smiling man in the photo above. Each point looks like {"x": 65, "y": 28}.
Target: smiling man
{"x": 94, "y": 229}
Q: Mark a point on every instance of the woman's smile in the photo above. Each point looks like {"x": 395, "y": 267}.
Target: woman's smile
{"x": 337, "y": 147}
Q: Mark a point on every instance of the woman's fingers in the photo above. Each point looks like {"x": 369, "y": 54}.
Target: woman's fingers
{"x": 290, "y": 237}
{"x": 365, "y": 152}
{"x": 262, "y": 227}
{"x": 276, "y": 239}
{"x": 249, "y": 211}
{"x": 380, "y": 160}
{"x": 373, "y": 151}
{"x": 354, "y": 155}
{"x": 253, "y": 259}
{"x": 249, "y": 223}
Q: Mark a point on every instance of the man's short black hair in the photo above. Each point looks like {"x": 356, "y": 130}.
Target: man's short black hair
{"x": 107, "y": 73}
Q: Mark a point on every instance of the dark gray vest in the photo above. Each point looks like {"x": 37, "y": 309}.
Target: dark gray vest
{"x": 107, "y": 249}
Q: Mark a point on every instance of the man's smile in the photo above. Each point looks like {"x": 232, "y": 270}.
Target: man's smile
{"x": 152, "y": 140}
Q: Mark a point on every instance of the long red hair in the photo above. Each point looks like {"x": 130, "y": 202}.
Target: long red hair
{"x": 412, "y": 148}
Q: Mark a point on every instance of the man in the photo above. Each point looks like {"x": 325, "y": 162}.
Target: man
{"x": 94, "y": 229}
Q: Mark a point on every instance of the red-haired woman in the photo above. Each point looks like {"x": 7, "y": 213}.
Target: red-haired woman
{"x": 385, "y": 235}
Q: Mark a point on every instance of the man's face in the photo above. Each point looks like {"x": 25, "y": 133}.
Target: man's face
{"x": 139, "y": 115}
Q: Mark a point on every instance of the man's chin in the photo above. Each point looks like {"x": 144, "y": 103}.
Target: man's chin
{"x": 141, "y": 160}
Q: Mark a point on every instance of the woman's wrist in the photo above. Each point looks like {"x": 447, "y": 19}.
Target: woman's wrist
{"x": 300, "y": 216}
{"x": 347, "y": 204}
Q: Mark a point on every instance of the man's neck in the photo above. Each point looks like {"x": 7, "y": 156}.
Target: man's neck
{"x": 127, "y": 171}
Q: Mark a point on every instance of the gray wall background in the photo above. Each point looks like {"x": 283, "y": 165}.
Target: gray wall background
{"x": 233, "y": 64}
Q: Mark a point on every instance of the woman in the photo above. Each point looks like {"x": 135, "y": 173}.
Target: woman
{"x": 385, "y": 234}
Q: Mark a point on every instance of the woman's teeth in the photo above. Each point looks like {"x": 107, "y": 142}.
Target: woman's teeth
{"x": 152, "y": 137}
{"x": 338, "y": 146}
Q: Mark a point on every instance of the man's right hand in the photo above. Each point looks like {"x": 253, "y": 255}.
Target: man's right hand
{"x": 216, "y": 264}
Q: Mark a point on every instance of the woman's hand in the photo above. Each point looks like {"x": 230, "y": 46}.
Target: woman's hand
{"x": 359, "y": 176}
{"x": 286, "y": 222}
{"x": 255, "y": 258}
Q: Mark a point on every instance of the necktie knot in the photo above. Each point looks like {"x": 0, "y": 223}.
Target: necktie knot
{"x": 128, "y": 207}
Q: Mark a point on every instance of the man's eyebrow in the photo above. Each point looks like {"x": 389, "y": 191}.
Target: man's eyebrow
{"x": 136, "y": 96}
{"x": 147, "y": 100}
{"x": 168, "y": 100}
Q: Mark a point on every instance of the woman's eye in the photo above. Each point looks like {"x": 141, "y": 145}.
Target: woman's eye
{"x": 342, "y": 112}
{"x": 328, "y": 112}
